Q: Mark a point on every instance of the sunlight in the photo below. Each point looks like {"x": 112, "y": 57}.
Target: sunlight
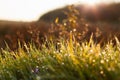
{"x": 31, "y": 10}
{"x": 90, "y": 2}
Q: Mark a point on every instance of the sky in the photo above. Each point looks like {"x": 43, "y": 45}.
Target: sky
{"x": 31, "y": 10}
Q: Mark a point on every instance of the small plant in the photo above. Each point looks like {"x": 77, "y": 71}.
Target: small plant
{"x": 74, "y": 23}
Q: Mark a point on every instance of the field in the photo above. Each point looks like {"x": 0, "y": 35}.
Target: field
{"x": 71, "y": 49}
{"x": 71, "y": 61}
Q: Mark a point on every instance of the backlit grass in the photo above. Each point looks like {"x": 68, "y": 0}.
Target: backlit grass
{"x": 68, "y": 60}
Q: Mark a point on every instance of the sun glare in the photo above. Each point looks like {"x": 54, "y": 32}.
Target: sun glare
{"x": 90, "y": 2}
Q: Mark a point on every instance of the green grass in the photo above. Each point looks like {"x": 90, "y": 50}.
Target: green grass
{"x": 68, "y": 60}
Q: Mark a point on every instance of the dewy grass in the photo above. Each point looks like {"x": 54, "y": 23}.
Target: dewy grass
{"x": 69, "y": 61}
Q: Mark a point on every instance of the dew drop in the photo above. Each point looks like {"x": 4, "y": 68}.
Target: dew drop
{"x": 93, "y": 60}
{"x": 38, "y": 78}
{"x": 7, "y": 71}
{"x": 38, "y": 59}
{"x": 109, "y": 54}
{"x": 61, "y": 51}
{"x": 102, "y": 61}
{"x": 91, "y": 51}
{"x": 64, "y": 24}
{"x": 24, "y": 60}
{"x": 43, "y": 67}
{"x": 32, "y": 71}
{"x": 86, "y": 25}
{"x": 58, "y": 43}
{"x": 37, "y": 66}
{"x": 103, "y": 52}
{"x": 74, "y": 30}
{"x": 101, "y": 72}
{"x": 54, "y": 52}
{"x": 109, "y": 69}
{"x": 62, "y": 63}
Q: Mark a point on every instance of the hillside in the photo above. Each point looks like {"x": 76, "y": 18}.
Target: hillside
{"x": 100, "y": 12}
{"x": 11, "y": 32}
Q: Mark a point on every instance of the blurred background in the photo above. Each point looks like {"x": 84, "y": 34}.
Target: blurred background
{"x": 38, "y": 20}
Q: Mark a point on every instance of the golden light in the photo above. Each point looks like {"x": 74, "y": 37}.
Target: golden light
{"x": 90, "y": 2}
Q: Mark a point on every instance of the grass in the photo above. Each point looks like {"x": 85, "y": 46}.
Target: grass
{"x": 68, "y": 60}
